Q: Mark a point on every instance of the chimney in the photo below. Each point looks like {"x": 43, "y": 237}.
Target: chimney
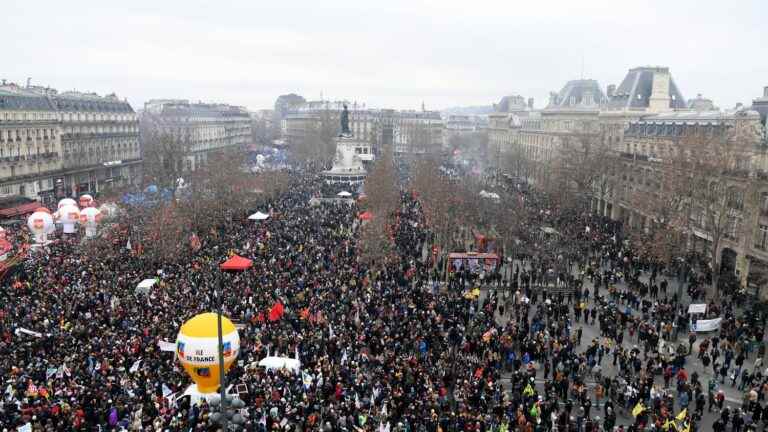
{"x": 530, "y": 103}
{"x": 611, "y": 90}
{"x": 660, "y": 100}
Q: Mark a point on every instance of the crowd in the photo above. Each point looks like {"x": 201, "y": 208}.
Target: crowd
{"x": 382, "y": 348}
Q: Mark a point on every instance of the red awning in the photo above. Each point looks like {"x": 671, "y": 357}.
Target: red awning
{"x": 236, "y": 263}
{"x": 21, "y": 209}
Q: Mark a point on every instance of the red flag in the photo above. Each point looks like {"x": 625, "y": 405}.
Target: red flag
{"x": 276, "y": 312}
{"x": 304, "y": 313}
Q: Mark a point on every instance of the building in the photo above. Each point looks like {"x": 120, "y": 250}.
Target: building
{"x": 417, "y": 133}
{"x": 652, "y": 140}
{"x": 58, "y": 145}
{"x": 100, "y": 143}
{"x": 31, "y": 157}
{"x": 410, "y": 132}
{"x": 203, "y": 127}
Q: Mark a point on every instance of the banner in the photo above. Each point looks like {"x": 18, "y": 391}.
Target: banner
{"x": 697, "y": 308}
{"x": 166, "y": 346}
{"x": 19, "y": 331}
{"x": 707, "y": 325}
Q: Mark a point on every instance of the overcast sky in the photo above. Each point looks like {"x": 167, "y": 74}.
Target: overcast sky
{"x": 386, "y": 53}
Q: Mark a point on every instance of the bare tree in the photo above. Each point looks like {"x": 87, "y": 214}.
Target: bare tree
{"x": 711, "y": 169}
{"x": 166, "y": 148}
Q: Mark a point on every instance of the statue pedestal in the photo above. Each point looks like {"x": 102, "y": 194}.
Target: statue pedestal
{"x": 347, "y": 165}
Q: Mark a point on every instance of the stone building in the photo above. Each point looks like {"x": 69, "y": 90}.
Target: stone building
{"x": 31, "y": 158}
{"x": 99, "y": 141}
{"x": 651, "y": 141}
{"x": 57, "y": 145}
{"x": 204, "y": 127}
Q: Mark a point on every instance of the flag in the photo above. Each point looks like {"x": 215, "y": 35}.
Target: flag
{"x": 128, "y": 245}
{"x": 304, "y": 313}
{"x": 166, "y": 391}
{"x": 534, "y": 410}
{"x": 357, "y": 401}
{"x": 306, "y": 379}
{"x": 135, "y": 366}
{"x": 384, "y": 427}
{"x": 26, "y": 428}
{"x": 384, "y": 411}
{"x": 49, "y": 372}
{"x": 276, "y": 311}
{"x": 194, "y": 242}
{"x": 330, "y": 330}
{"x": 31, "y": 389}
{"x": 682, "y": 415}
{"x": 528, "y": 390}
{"x": 669, "y": 425}
{"x": 638, "y": 409}
{"x": 43, "y": 392}
{"x": 344, "y": 356}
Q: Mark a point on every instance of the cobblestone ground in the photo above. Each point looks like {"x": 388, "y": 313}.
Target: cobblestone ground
{"x": 733, "y": 395}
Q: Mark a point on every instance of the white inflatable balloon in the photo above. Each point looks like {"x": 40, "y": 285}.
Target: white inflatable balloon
{"x": 40, "y": 223}
{"x": 90, "y": 218}
{"x": 69, "y": 216}
{"x": 67, "y": 202}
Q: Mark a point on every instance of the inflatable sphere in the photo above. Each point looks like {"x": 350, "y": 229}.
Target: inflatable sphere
{"x": 197, "y": 349}
{"x": 69, "y": 215}
{"x": 86, "y": 201}
{"x": 90, "y": 217}
{"x": 40, "y": 224}
{"x": 67, "y": 202}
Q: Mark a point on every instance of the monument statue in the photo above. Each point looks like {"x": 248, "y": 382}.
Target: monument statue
{"x": 345, "y": 132}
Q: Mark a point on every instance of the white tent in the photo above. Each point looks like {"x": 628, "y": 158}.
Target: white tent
{"x": 144, "y": 286}
{"x": 258, "y": 216}
{"x": 344, "y": 194}
{"x": 277, "y": 363}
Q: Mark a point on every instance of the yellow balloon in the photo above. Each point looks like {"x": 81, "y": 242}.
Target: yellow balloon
{"x": 197, "y": 349}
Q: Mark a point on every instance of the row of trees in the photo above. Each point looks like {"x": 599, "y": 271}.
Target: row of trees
{"x": 699, "y": 183}
{"x": 382, "y": 200}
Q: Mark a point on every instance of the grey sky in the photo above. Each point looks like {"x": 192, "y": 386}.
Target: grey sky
{"x": 386, "y": 53}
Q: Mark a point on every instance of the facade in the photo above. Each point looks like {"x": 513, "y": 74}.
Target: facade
{"x": 652, "y": 140}
{"x": 411, "y": 132}
{"x": 100, "y": 143}
{"x": 58, "y": 145}
{"x": 204, "y": 127}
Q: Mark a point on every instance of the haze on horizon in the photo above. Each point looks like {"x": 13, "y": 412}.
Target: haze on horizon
{"x": 386, "y": 54}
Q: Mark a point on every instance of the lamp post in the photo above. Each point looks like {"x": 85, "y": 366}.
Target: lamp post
{"x": 222, "y": 375}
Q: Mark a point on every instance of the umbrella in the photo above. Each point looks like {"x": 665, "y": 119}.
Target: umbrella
{"x": 258, "y": 216}
{"x": 344, "y": 194}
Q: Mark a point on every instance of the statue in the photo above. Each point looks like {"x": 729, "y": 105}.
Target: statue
{"x": 345, "y": 132}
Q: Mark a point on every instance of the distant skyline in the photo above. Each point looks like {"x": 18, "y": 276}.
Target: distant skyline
{"x": 394, "y": 54}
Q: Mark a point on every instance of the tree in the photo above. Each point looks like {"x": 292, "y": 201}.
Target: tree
{"x": 318, "y": 143}
{"x": 383, "y": 201}
{"x": 711, "y": 166}
{"x": 578, "y": 169}
{"x": 166, "y": 149}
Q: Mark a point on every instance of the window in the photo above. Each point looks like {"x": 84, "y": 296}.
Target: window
{"x": 761, "y": 241}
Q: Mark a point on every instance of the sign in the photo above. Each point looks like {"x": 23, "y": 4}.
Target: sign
{"x": 697, "y": 308}
{"x": 166, "y": 346}
{"x": 707, "y": 325}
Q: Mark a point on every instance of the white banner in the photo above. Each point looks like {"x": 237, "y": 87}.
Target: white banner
{"x": 166, "y": 346}
{"x": 697, "y": 308}
{"x": 21, "y": 330}
{"x": 708, "y": 325}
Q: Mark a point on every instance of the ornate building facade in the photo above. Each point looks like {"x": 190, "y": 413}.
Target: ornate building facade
{"x": 203, "y": 127}
{"x": 55, "y": 145}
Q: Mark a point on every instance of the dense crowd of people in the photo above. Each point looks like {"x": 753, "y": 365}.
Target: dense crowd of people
{"x": 383, "y": 347}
